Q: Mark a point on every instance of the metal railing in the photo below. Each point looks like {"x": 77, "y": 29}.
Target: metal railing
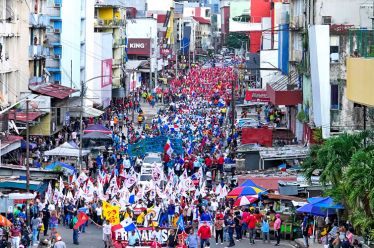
{"x": 361, "y": 42}
{"x": 34, "y": 81}
{"x": 52, "y": 63}
{"x": 109, "y": 23}
{"x": 38, "y": 51}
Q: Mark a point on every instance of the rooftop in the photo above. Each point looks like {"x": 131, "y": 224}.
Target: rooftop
{"x": 201, "y": 20}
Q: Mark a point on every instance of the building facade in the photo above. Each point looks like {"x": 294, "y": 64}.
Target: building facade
{"x": 14, "y": 37}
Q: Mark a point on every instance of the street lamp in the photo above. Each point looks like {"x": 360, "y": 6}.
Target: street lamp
{"x": 83, "y": 92}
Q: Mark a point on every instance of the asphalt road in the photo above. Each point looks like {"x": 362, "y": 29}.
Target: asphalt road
{"x": 93, "y": 238}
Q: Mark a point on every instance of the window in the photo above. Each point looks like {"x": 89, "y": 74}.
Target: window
{"x": 334, "y": 48}
{"x": 335, "y": 99}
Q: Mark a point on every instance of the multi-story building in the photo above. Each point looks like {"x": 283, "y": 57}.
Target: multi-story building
{"x": 321, "y": 62}
{"x": 203, "y": 35}
{"x": 109, "y": 25}
{"x": 14, "y": 38}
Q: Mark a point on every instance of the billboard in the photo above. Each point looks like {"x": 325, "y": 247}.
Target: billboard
{"x": 240, "y": 17}
{"x": 106, "y": 72}
{"x": 139, "y": 46}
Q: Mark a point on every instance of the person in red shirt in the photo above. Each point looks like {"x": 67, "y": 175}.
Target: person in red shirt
{"x": 220, "y": 162}
{"x": 204, "y": 233}
{"x": 252, "y": 221}
{"x": 208, "y": 162}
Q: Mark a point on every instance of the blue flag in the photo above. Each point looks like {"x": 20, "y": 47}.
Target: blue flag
{"x": 180, "y": 223}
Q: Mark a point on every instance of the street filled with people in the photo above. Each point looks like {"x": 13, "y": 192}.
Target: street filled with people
{"x": 160, "y": 182}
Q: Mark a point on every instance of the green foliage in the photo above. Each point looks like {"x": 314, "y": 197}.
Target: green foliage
{"x": 236, "y": 40}
{"x": 346, "y": 162}
{"x": 57, "y": 168}
{"x": 301, "y": 116}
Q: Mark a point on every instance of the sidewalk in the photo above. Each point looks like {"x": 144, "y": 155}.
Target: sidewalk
{"x": 300, "y": 243}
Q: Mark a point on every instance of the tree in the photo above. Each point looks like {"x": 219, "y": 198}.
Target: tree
{"x": 346, "y": 163}
{"x": 236, "y": 40}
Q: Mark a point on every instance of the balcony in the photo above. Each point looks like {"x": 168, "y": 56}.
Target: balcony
{"x": 53, "y": 38}
{"x": 35, "y": 81}
{"x": 38, "y": 51}
{"x": 54, "y": 13}
{"x": 39, "y": 20}
{"x": 109, "y": 23}
{"x": 52, "y": 63}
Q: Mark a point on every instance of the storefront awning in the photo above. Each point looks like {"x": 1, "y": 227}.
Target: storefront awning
{"x": 54, "y": 90}
{"x": 21, "y": 116}
{"x": 10, "y": 143}
{"x": 134, "y": 64}
{"x": 284, "y": 91}
{"x": 87, "y": 112}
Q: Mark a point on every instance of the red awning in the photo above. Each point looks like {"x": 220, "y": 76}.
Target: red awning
{"x": 21, "y": 115}
{"x": 284, "y": 91}
{"x": 54, "y": 90}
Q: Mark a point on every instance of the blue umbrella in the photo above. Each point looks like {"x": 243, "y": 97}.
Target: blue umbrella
{"x": 325, "y": 202}
{"x": 313, "y": 210}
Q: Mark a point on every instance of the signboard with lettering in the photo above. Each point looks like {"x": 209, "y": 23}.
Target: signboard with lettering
{"x": 106, "y": 72}
{"x": 257, "y": 96}
{"x": 138, "y": 46}
{"x": 145, "y": 234}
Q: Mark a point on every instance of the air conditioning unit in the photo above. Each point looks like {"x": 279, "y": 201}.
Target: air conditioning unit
{"x": 326, "y": 20}
{"x": 57, "y": 56}
{"x": 57, "y": 5}
{"x": 56, "y": 82}
{"x": 56, "y": 30}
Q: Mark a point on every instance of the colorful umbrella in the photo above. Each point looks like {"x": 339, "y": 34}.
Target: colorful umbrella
{"x": 245, "y": 200}
{"x": 242, "y": 191}
{"x": 4, "y": 221}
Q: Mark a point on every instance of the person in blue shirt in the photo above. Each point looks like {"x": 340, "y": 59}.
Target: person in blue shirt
{"x": 133, "y": 238}
{"x": 206, "y": 216}
{"x": 171, "y": 212}
{"x": 265, "y": 229}
{"x": 192, "y": 239}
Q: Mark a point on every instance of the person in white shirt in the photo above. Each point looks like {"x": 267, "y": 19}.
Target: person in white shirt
{"x": 156, "y": 235}
{"x": 51, "y": 207}
{"x": 214, "y": 206}
{"x": 99, "y": 212}
{"x": 107, "y": 233}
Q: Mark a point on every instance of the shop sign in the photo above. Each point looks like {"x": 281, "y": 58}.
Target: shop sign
{"x": 138, "y": 46}
{"x": 257, "y": 96}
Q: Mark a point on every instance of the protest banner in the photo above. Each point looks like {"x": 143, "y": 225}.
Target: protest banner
{"x": 155, "y": 144}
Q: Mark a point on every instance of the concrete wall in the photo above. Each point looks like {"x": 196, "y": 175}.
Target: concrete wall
{"x": 89, "y": 48}
{"x": 268, "y": 59}
{"x": 103, "y": 51}
{"x": 70, "y": 40}
{"x": 157, "y": 5}
{"x": 320, "y": 74}
{"x": 344, "y": 12}
{"x": 14, "y": 36}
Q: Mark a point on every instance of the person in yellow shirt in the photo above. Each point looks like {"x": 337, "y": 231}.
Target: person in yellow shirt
{"x": 141, "y": 217}
{"x": 175, "y": 219}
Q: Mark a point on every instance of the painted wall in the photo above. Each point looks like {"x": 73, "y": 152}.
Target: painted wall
{"x": 360, "y": 83}
{"x": 101, "y": 95}
{"x": 259, "y": 9}
{"x": 268, "y": 59}
{"x": 319, "y": 45}
{"x": 283, "y": 47}
{"x": 70, "y": 40}
{"x": 344, "y": 12}
{"x": 157, "y": 5}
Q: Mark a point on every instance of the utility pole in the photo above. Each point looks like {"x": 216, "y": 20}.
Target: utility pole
{"x": 81, "y": 126}
{"x": 27, "y": 147}
{"x": 133, "y": 97}
{"x": 150, "y": 57}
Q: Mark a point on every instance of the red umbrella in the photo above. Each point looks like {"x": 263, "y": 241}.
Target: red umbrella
{"x": 245, "y": 200}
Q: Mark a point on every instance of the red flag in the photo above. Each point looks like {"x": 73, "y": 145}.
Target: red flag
{"x": 82, "y": 218}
